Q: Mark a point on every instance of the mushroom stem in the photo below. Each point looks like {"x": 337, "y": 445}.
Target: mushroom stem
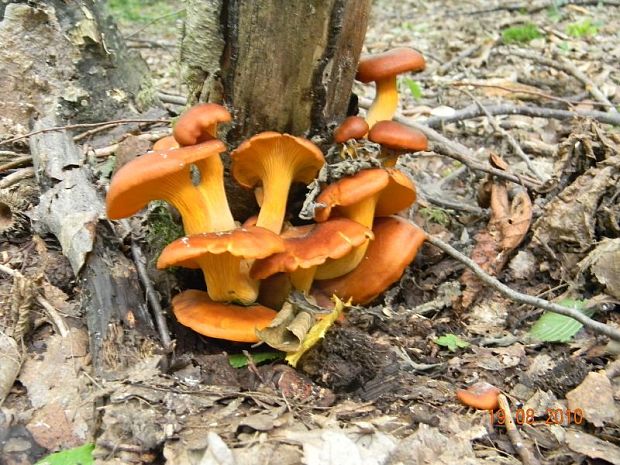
{"x": 302, "y": 278}
{"x": 362, "y": 212}
{"x": 211, "y": 187}
{"x": 385, "y": 103}
{"x": 276, "y": 186}
{"x": 228, "y": 278}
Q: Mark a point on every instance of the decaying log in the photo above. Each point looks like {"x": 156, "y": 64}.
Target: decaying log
{"x": 72, "y": 210}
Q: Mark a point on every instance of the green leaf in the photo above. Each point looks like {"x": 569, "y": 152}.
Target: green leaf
{"x": 414, "y": 88}
{"x": 240, "y": 360}
{"x": 583, "y": 28}
{"x": 553, "y": 327}
{"x": 82, "y": 455}
{"x": 521, "y": 34}
{"x": 452, "y": 342}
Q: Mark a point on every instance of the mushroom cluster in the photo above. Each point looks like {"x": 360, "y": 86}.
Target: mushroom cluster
{"x": 355, "y": 249}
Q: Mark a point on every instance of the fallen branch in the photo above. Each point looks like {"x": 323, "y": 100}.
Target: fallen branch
{"x": 15, "y": 177}
{"x": 526, "y": 454}
{"x": 568, "y": 68}
{"x": 16, "y": 163}
{"x": 511, "y": 140}
{"x": 518, "y": 297}
{"x": 473, "y": 111}
{"x": 82, "y": 125}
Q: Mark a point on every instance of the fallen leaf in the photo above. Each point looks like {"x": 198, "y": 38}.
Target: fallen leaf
{"x": 10, "y": 363}
{"x": 595, "y": 397}
{"x": 593, "y": 447}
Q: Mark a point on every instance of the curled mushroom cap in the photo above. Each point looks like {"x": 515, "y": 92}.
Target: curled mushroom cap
{"x": 166, "y": 143}
{"x": 197, "y": 311}
{"x": 199, "y": 123}
{"x": 225, "y": 259}
{"x": 274, "y": 161}
{"x": 310, "y": 246}
{"x": 353, "y": 127}
{"x": 481, "y": 396}
{"x": 396, "y": 138}
{"x": 166, "y": 175}
{"x": 395, "y": 245}
{"x": 383, "y": 68}
{"x": 361, "y": 197}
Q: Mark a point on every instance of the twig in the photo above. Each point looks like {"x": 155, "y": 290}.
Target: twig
{"x": 473, "y": 111}
{"x": 17, "y": 176}
{"x": 570, "y": 69}
{"x": 526, "y": 454}
{"x": 453, "y": 204}
{"x": 16, "y": 162}
{"x": 153, "y": 21}
{"x": 518, "y": 297}
{"x": 168, "y": 98}
{"x": 443, "y": 69}
{"x": 513, "y": 91}
{"x": 511, "y": 140}
{"x": 83, "y": 125}
{"x": 52, "y": 313}
{"x": 151, "y": 293}
{"x": 102, "y": 152}
{"x": 459, "y": 152}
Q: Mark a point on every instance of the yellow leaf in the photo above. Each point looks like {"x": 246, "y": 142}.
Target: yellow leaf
{"x": 317, "y": 331}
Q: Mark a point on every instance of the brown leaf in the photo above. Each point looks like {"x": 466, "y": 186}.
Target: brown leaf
{"x": 515, "y": 227}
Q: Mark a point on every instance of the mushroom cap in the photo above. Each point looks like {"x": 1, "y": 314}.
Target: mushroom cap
{"x": 251, "y": 243}
{"x": 199, "y": 123}
{"x": 396, "y": 136}
{"x": 166, "y": 143}
{"x": 311, "y": 245}
{"x": 395, "y": 189}
{"x": 395, "y": 245}
{"x": 353, "y": 127}
{"x": 389, "y": 64}
{"x": 307, "y": 157}
{"x": 482, "y": 396}
{"x": 140, "y": 181}
{"x": 197, "y": 311}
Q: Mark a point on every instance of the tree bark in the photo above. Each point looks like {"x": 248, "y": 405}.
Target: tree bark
{"x": 279, "y": 65}
{"x": 66, "y": 58}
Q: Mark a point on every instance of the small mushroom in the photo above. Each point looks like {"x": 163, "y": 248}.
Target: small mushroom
{"x": 309, "y": 246}
{"x": 225, "y": 259}
{"x": 274, "y": 161}
{"x": 166, "y": 175}
{"x": 197, "y": 311}
{"x": 361, "y": 197}
{"x": 395, "y": 139}
{"x": 383, "y": 68}
{"x": 481, "y": 396}
{"x": 353, "y": 127}
{"x": 199, "y": 123}
{"x": 395, "y": 246}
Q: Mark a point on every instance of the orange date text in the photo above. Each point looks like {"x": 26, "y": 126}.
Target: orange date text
{"x": 552, "y": 416}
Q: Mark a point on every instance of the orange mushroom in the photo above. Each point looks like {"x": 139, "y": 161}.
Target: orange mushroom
{"x": 166, "y": 175}
{"x": 395, "y": 246}
{"x": 197, "y": 311}
{"x": 199, "y": 123}
{"x": 274, "y": 161}
{"x": 166, "y": 143}
{"x": 361, "y": 197}
{"x": 309, "y": 246}
{"x": 382, "y": 69}
{"x": 353, "y": 127}
{"x": 396, "y": 138}
{"x": 481, "y": 396}
{"x": 225, "y": 259}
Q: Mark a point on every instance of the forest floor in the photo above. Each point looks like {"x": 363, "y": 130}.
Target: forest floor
{"x": 531, "y": 89}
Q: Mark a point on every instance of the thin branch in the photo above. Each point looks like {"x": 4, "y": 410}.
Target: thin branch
{"x": 518, "y": 297}
{"x": 153, "y": 21}
{"x": 16, "y": 163}
{"x": 15, "y": 177}
{"x": 83, "y": 125}
{"x": 52, "y": 313}
{"x": 516, "y": 90}
{"x": 169, "y": 98}
{"x": 526, "y": 454}
{"x": 473, "y": 111}
{"x": 568, "y": 68}
{"x": 511, "y": 140}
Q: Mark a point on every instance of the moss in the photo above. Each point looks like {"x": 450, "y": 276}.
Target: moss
{"x": 161, "y": 228}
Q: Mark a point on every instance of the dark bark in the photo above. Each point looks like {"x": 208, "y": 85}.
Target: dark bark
{"x": 279, "y": 65}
